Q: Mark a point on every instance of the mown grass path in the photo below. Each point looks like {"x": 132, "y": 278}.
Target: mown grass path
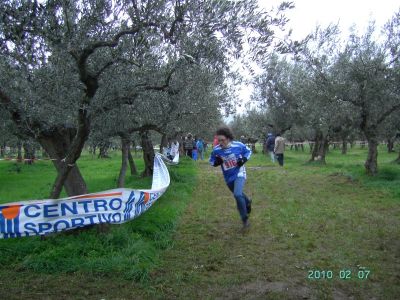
{"x": 300, "y": 222}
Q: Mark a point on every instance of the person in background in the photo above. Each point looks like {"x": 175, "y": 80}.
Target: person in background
{"x": 189, "y": 145}
{"x": 194, "y": 151}
{"x": 184, "y": 145}
{"x": 174, "y": 149}
{"x": 182, "y": 150}
{"x": 205, "y": 145}
{"x": 270, "y": 145}
{"x": 167, "y": 150}
{"x": 279, "y": 148}
{"x": 231, "y": 156}
{"x": 200, "y": 148}
{"x": 215, "y": 141}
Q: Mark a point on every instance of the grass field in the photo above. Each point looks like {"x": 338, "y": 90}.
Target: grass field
{"x": 128, "y": 250}
{"x": 307, "y": 220}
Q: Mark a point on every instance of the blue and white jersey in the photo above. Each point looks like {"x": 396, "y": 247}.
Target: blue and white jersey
{"x": 230, "y": 156}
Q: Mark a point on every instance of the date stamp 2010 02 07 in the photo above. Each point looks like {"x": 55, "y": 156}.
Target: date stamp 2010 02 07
{"x": 344, "y": 274}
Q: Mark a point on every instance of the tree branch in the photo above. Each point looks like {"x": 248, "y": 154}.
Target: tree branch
{"x": 124, "y": 60}
{"x": 4, "y": 98}
{"x": 16, "y": 116}
{"x": 107, "y": 65}
{"x": 179, "y": 14}
{"x": 388, "y": 112}
{"x": 163, "y": 87}
{"x": 143, "y": 128}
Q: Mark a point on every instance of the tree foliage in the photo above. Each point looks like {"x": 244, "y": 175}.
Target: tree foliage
{"x": 336, "y": 87}
{"x": 70, "y": 66}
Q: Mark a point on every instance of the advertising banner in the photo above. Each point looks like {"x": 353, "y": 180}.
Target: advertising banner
{"x": 40, "y": 217}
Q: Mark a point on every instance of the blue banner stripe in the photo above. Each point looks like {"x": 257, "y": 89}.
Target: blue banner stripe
{"x": 16, "y": 227}
{"x": 129, "y": 205}
{"x": 10, "y": 228}
{"x": 2, "y": 224}
{"x": 131, "y": 199}
{"x": 139, "y": 205}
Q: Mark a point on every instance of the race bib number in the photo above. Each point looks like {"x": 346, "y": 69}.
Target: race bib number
{"x": 230, "y": 162}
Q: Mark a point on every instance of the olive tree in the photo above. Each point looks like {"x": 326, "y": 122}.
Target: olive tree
{"x": 58, "y": 59}
{"x": 361, "y": 77}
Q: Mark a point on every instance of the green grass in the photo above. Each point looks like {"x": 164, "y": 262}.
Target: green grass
{"x": 334, "y": 217}
{"x": 129, "y": 250}
{"x": 305, "y": 217}
{"x": 350, "y": 165}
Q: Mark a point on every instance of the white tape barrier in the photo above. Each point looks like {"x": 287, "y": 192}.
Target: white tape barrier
{"x": 41, "y": 217}
{"x": 27, "y": 159}
{"x": 174, "y": 161}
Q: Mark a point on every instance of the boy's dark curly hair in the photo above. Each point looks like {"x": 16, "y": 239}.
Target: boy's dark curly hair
{"x": 225, "y": 131}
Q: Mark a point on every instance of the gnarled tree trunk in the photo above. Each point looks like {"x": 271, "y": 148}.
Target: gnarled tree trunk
{"x": 320, "y": 147}
{"x": 390, "y": 145}
{"x": 314, "y": 152}
{"x": 148, "y": 153}
{"x": 56, "y": 145}
{"x": 316, "y": 146}
{"x": 344, "y": 147}
{"x": 104, "y": 146}
{"x": 324, "y": 148}
{"x": 371, "y": 164}
{"x": 19, "y": 151}
{"x": 164, "y": 142}
{"x": 132, "y": 164}
{"x": 3, "y": 150}
{"x": 29, "y": 152}
{"x": 125, "y": 143}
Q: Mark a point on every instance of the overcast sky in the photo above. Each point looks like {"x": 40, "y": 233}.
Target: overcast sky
{"x": 307, "y": 14}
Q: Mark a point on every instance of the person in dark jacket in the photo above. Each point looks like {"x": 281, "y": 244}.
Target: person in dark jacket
{"x": 200, "y": 148}
{"x": 270, "y": 146}
{"x": 188, "y": 144}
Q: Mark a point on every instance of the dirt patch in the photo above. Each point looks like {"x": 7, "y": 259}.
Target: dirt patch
{"x": 261, "y": 167}
{"x": 262, "y": 289}
{"x": 345, "y": 178}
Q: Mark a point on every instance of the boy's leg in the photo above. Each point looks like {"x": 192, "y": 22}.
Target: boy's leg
{"x": 246, "y": 199}
{"x": 231, "y": 186}
{"x": 240, "y": 197}
{"x": 248, "y": 203}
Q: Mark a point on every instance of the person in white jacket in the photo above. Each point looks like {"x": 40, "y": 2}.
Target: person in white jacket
{"x": 174, "y": 149}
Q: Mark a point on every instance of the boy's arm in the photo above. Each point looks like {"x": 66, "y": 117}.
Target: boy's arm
{"x": 246, "y": 153}
{"x": 215, "y": 160}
